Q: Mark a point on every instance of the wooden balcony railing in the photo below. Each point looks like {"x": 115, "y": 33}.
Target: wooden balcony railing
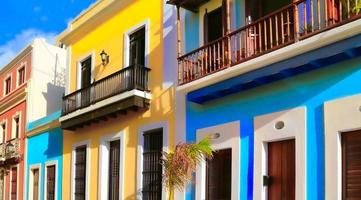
{"x": 285, "y": 26}
{"x": 129, "y": 78}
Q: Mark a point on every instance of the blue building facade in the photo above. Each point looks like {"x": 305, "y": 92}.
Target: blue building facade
{"x": 305, "y": 93}
{"x": 44, "y": 158}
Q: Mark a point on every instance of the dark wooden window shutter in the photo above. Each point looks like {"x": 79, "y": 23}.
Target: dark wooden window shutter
{"x": 14, "y": 185}
{"x": 114, "y": 165}
{"x": 205, "y": 27}
{"x": 2, "y": 182}
{"x": 219, "y": 175}
{"x": 152, "y": 168}
{"x": 35, "y": 184}
{"x": 351, "y": 165}
{"x": 50, "y": 182}
{"x": 137, "y": 48}
{"x": 80, "y": 173}
{"x": 224, "y": 17}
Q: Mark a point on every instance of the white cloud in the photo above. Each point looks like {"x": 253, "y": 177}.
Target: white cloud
{"x": 12, "y": 47}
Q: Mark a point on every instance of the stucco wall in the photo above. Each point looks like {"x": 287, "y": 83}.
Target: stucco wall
{"x": 310, "y": 90}
{"x": 42, "y": 148}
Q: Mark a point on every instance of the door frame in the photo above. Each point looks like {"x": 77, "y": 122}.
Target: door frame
{"x": 349, "y": 110}
{"x": 31, "y": 180}
{"x": 223, "y": 136}
{"x": 47, "y": 164}
{"x": 104, "y": 164}
{"x": 78, "y": 71}
{"x": 268, "y": 128}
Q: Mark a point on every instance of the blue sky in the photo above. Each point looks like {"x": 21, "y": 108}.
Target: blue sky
{"x": 23, "y": 20}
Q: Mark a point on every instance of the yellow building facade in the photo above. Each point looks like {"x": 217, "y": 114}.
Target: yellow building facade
{"x": 117, "y": 111}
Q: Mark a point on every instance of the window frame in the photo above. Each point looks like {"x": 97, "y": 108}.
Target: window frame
{"x": 104, "y": 164}
{"x": 87, "y": 177}
{"x": 141, "y": 131}
{"x": 31, "y": 180}
{"x": 8, "y": 77}
{"x": 47, "y": 164}
{"x": 22, "y": 66}
{"x": 2, "y": 135}
{"x": 145, "y": 24}
{"x": 13, "y": 126}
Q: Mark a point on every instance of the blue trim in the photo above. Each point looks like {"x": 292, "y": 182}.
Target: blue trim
{"x": 45, "y": 120}
{"x": 319, "y": 58}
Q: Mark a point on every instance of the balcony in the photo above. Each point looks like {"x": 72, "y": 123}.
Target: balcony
{"x": 10, "y": 152}
{"x": 192, "y": 5}
{"x": 288, "y": 25}
{"x": 115, "y": 94}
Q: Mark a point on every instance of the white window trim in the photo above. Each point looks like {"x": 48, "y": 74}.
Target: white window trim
{"x": 31, "y": 180}
{"x": 4, "y": 122}
{"x": 229, "y": 138}
{"x": 16, "y": 115}
{"x": 146, "y": 24}
{"x": 87, "y": 144}
{"x": 17, "y": 181}
{"x": 78, "y": 71}
{"x": 104, "y": 164}
{"x": 23, "y": 64}
{"x": 47, "y": 164}
{"x": 341, "y": 115}
{"x": 11, "y": 82}
{"x": 264, "y": 132}
{"x": 141, "y": 131}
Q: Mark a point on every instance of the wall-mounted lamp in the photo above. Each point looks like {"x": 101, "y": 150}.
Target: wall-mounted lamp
{"x": 214, "y": 136}
{"x": 105, "y": 58}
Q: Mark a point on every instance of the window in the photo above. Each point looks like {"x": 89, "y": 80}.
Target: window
{"x": 80, "y": 173}
{"x": 137, "y": 48}
{"x": 152, "y": 168}
{"x": 2, "y": 132}
{"x": 8, "y": 85}
{"x": 50, "y": 182}
{"x": 21, "y": 75}
{"x": 114, "y": 165}
{"x": 35, "y": 184}
{"x": 16, "y": 127}
{"x": 14, "y": 183}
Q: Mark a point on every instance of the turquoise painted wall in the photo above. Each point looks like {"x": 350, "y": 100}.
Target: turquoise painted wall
{"x": 42, "y": 148}
{"x": 310, "y": 89}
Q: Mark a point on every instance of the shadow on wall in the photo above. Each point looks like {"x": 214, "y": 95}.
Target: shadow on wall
{"x": 54, "y": 147}
{"x": 53, "y": 97}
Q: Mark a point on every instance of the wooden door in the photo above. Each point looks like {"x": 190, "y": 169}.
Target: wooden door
{"x": 351, "y": 165}
{"x": 114, "y": 165}
{"x": 137, "y": 48}
{"x": 281, "y": 170}
{"x": 213, "y": 25}
{"x": 50, "y": 182}
{"x": 218, "y": 176}
{"x": 14, "y": 185}
{"x": 35, "y": 184}
{"x": 85, "y": 81}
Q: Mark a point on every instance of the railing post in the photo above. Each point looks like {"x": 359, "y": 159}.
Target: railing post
{"x": 229, "y": 53}
{"x": 297, "y": 27}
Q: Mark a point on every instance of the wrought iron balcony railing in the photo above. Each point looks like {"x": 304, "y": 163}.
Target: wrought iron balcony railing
{"x": 12, "y": 149}
{"x": 285, "y": 26}
{"x": 129, "y": 78}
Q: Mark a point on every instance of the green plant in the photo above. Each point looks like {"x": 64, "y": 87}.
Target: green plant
{"x": 357, "y": 8}
{"x": 182, "y": 162}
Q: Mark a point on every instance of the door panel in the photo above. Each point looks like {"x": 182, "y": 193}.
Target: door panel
{"x": 14, "y": 178}
{"x": 114, "y": 165}
{"x": 218, "y": 176}
{"x": 35, "y": 184}
{"x": 351, "y": 165}
{"x": 137, "y": 48}
{"x": 50, "y": 187}
{"x": 281, "y": 170}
